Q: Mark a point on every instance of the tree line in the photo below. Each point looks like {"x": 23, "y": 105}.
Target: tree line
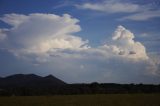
{"x": 73, "y": 89}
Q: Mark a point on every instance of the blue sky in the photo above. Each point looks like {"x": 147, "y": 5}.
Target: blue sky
{"x": 81, "y": 40}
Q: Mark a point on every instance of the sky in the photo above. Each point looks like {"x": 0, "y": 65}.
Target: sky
{"x": 81, "y": 41}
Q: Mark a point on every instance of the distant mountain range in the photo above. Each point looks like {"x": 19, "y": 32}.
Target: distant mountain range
{"x": 30, "y": 80}
{"x": 31, "y": 84}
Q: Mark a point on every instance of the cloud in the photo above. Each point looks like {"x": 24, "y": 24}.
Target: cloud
{"x": 113, "y": 6}
{"x": 137, "y": 12}
{"x": 122, "y": 43}
{"x": 119, "y": 59}
{"x": 155, "y": 63}
{"x": 142, "y": 16}
{"x": 48, "y": 41}
{"x": 2, "y": 34}
{"x": 39, "y": 33}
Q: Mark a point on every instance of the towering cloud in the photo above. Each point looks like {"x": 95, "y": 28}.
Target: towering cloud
{"x": 122, "y": 43}
{"x": 39, "y": 33}
{"x": 49, "y": 38}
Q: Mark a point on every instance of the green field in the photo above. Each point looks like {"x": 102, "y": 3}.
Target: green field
{"x": 84, "y": 100}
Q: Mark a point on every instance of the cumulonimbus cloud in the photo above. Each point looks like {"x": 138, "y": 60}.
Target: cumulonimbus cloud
{"x": 50, "y": 38}
{"x": 122, "y": 43}
{"x": 38, "y": 33}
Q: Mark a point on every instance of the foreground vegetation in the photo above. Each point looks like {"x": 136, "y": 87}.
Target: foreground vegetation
{"x": 83, "y": 100}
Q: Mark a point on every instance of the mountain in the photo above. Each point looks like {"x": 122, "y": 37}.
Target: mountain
{"x": 34, "y": 85}
{"x": 30, "y": 80}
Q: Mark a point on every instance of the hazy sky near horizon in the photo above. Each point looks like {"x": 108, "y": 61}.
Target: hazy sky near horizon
{"x": 81, "y": 40}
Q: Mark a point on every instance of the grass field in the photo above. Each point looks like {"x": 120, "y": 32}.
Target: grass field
{"x": 84, "y": 100}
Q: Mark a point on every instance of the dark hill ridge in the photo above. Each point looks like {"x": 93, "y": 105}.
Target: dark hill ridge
{"x": 31, "y": 84}
{"x": 30, "y": 80}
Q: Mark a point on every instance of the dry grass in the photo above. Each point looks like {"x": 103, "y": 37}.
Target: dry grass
{"x": 84, "y": 100}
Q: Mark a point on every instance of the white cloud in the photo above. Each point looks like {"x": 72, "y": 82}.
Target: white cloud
{"x": 48, "y": 40}
{"x": 142, "y": 16}
{"x": 39, "y": 33}
{"x": 137, "y": 12}
{"x": 113, "y": 6}
{"x": 122, "y": 43}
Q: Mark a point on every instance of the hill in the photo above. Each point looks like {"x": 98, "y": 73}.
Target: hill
{"x": 31, "y": 84}
{"x": 30, "y": 80}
